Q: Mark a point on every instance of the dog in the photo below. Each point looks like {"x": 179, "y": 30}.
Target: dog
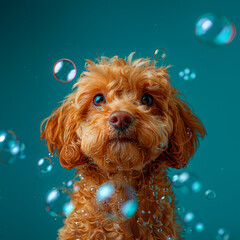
{"x": 124, "y": 123}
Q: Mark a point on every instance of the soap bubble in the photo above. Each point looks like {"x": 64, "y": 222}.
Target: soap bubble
{"x": 214, "y": 29}
{"x": 160, "y": 53}
{"x": 210, "y": 194}
{"x": 222, "y": 234}
{"x": 199, "y": 227}
{"x": 189, "y": 217}
{"x": 58, "y": 202}
{"x": 64, "y": 70}
{"x": 45, "y": 165}
{"x": 22, "y": 154}
{"x": 9, "y": 146}
{"x": 177, "y": 181}
{"x": 193, "y": 222}
{"x": 68, "y": 184}
{"x": 117, "y": 200}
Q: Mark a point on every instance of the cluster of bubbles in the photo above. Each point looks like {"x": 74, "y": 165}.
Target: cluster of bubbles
{"x": 64, "y": 70}
{"x": 117, "y": 200}
{"x": 58, "y": 199}
{"x": 187, "y": 74}
{"x": 214, "y": 29}
{"x": 188, "y": 182}
{"x": 10, "y": 147}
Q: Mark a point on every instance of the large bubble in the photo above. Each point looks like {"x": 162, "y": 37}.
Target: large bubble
{"x": 214, "y": 29}
{"x": 58, "y": 202}
{"x": 117, "y": 200}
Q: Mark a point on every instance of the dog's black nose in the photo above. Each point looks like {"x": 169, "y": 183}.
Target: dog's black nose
{"x": 121, "y": 120}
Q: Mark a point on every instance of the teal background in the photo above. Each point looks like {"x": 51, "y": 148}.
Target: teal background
{"x": 35, "y": 34}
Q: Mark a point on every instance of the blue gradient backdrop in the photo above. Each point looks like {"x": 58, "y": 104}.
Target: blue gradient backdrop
{"x": 35, "y": 34}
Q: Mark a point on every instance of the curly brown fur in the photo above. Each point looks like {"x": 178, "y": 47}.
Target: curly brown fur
{"x": 84, "y": 136}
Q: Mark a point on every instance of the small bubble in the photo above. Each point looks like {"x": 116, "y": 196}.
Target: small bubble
{"x": 193, "y": 75}
{"x": 222, "y": 234}
{"x": 210, "y": 194}
{"x": 45, "y": 165}
{"x": 199, "y": 227}
{"x": 64, "y": 70}
{"x": 186, "y": 71}
{"x": 181, "y": 209}
{"x": 166, "y": 199}
{"x": 189, "y": 217}
{"x": 181, "y": 74}
{"x": 160, "y": 53}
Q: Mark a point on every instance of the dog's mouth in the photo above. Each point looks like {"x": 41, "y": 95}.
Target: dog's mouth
{"x": 122, "y": 140}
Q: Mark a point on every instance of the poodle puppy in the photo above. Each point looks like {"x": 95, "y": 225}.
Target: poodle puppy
{"x": 123, "y": 122}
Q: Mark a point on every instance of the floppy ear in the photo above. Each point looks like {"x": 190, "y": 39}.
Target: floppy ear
{"x": 187, "y": 130}
{"x": 61, "y": 137}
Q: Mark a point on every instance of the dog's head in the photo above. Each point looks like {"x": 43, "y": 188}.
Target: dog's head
{"x": 122, "y": 115}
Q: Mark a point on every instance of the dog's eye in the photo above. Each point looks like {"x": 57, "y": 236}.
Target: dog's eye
{"x": 98, "y": 100}
{"x": 147, "y": 99}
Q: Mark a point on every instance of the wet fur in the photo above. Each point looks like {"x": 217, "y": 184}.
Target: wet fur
{"x": 164, "y": 135}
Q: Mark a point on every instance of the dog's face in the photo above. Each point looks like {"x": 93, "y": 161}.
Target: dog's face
{"x": 123, "y": 115}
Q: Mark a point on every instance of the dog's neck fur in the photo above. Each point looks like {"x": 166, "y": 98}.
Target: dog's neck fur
{"x": 148, "y": 176}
